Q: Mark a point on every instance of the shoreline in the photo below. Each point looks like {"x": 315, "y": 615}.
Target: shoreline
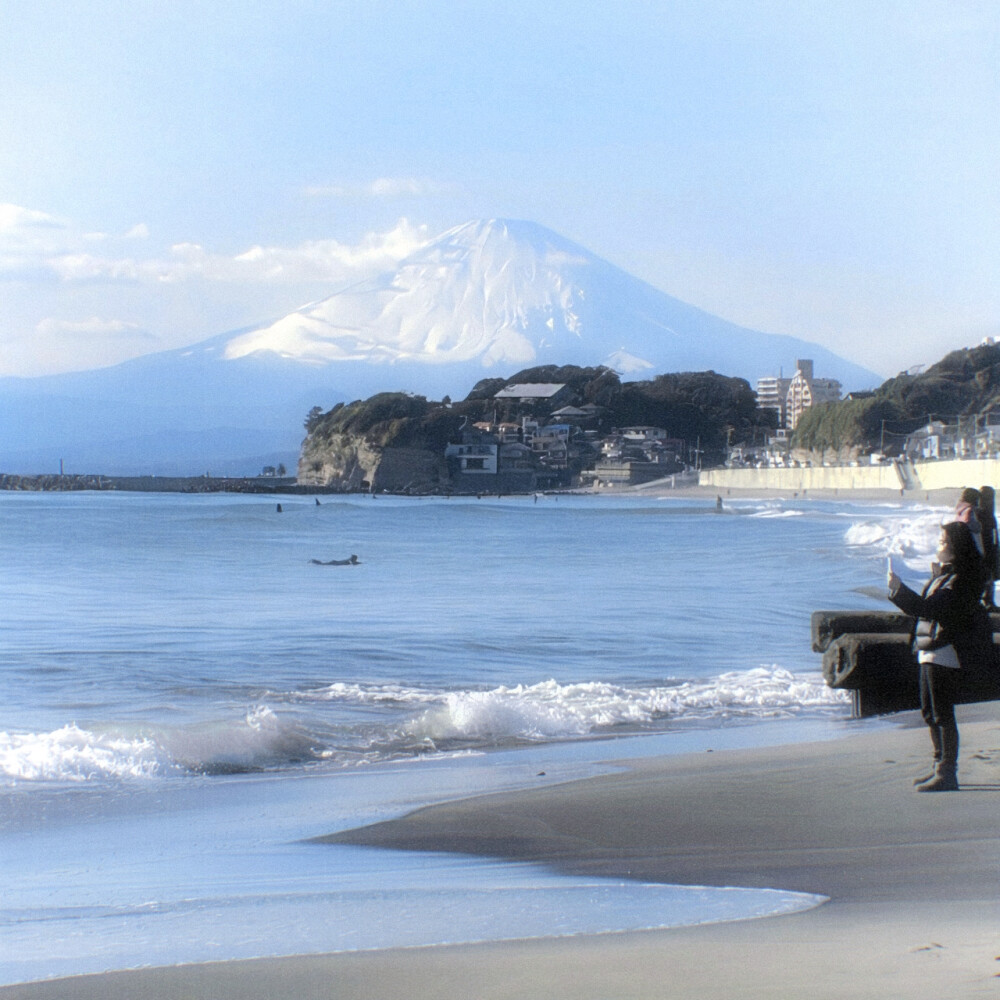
{"x": 912, "y": 879}
{"x": 74, "y": 483}
{"x": 941, "y": 496}
{"x": 755, "y": 817}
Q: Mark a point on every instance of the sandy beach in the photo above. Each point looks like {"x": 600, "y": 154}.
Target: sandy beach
{"x": 913, "y": 883}
{"x": 660, "y": 490}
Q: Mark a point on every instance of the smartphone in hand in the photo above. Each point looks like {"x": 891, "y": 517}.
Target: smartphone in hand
{"x": 891, "y": 578}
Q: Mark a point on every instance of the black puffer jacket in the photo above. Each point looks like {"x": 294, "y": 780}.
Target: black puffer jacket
{"x": 948, "y": 612}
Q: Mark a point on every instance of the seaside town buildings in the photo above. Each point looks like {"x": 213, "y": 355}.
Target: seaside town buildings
{"x": 788, "y": 398}
{"x": 565, "y": 448}
{"x": 972, "y": 436}
{"x": 967, "y": 437}
{"x": 540, "y": 452}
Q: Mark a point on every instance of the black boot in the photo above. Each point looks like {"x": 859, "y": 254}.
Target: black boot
{"x": 946, "y": 774}
{"x": 944, "y": 781}
{"x": 936, "y": 741}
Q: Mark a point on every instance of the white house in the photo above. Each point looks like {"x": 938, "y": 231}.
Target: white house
{"x": 478, "y": 457}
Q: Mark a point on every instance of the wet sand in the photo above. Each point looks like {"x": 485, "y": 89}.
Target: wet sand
{"x": 913, "y": 882}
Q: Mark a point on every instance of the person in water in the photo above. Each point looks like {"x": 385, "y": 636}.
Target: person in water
{"x": 952, "y": 637}
{"x": 353, "y": 561}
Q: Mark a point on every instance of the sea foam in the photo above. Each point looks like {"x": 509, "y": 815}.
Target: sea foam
{"x": 74, "y": 754}
{"x": 549, "y": 710}
{"x": 262, "y": 739}
{"x": 911, "y": 538}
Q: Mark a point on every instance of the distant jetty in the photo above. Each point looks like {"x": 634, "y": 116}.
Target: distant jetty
{"x": 56, "y": 483}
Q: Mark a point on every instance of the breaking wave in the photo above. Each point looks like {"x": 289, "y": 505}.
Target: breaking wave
{"x": 74, "y": 754}
{"x": 550, "y": 710}
{"x": 913, "y": 539}
{"x": 321, "y": 726}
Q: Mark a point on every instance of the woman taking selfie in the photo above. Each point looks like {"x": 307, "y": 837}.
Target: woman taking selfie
{"x": 952, "y": 639}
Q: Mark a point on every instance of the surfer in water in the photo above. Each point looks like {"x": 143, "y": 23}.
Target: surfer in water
{"x": 353, "y": 561}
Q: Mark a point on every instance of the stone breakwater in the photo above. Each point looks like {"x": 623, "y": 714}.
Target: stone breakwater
{"x": 152, "y": 484}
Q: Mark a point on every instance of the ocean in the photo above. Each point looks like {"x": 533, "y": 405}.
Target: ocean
{"x": 189, "y": 697}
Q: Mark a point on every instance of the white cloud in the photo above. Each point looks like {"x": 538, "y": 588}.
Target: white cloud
{"x": 55, "y": 344}
{"x": 92, "y": 267}
{"x": 380, "y": 188}
{"x": 329, "y": 260}
{"x": 27, "y": 237}
{"x": 313, "y": 261}
{"x": 77, "y": 259}
{"x": 14, "y": 219}
{"x": 39, "y": 245}
{"x": 139, "y": 231}
{"x": 58, "y": 280}
{"x": 95, "y": 327}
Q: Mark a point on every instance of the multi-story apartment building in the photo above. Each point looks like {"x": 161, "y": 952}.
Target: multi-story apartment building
{"x": 806, "y": 390}
{"x": 771, "y": 393}
{"x": 791, "y": 397}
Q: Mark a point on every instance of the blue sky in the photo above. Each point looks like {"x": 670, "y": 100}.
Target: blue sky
{"x": 173, "y": 170}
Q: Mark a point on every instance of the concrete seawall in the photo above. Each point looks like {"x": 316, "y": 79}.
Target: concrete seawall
{"x": 909, "y": 478}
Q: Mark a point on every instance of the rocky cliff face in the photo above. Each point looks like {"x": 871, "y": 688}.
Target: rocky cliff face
{"x": 341, "y": 459}
{"x": 382, "y": 443}
{"x": 351, "y": 463}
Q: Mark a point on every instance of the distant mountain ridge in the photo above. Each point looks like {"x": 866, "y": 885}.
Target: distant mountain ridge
{"x": 482, "y": 299}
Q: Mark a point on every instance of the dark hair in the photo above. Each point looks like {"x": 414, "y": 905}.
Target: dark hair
{"x": 965, "y": 555}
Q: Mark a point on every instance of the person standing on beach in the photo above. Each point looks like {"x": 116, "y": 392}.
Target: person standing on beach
{"x": 991, "y": 542}
{"x": 952, "y": 638}
{"x": 967, "y": 511}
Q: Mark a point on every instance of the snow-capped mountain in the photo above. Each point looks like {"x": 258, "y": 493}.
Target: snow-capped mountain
{"x": 498, "y": 293}
{"x": 483, "y": 299}
{"x": 502, "y": 294}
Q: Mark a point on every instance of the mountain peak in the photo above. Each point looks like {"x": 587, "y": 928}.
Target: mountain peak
{"x": 480, "y": 232}
{"x": 495, "y": 290}
{"x": 503, "y": 293}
